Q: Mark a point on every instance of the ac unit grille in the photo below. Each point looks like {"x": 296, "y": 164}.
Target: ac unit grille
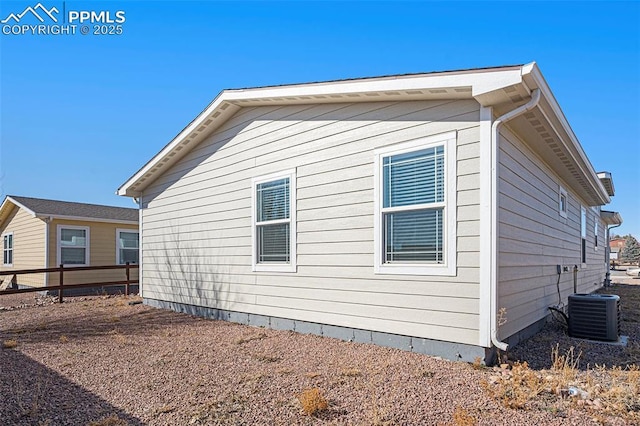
{"x": 594, "y": 316}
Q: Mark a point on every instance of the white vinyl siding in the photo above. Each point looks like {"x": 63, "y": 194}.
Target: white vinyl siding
{"x": 73, "y": 245}
{"x": 7, "y": 252}
{"x": 533, "y": 238}
{"x": 197, "y": 219}
{"x": 583, "y": 235}
{"x": 127, "y": 246}
{"x": 273, "y": 229}
{"x": 415, "y": 228}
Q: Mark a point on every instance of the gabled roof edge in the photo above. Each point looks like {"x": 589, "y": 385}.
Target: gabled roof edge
{"x": 230, "y": 99}
{"x": 17, "y": 204}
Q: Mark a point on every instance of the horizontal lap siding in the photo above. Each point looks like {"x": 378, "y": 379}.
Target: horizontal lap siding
{"x": 197, "y": 220}
{"x": 534, "y": 238}
{"x": 102, "y": 251}
{"x": 28, "y": 246}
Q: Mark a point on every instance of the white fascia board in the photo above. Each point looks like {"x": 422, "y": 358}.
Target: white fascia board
{"x": 479, "y": 81}
{"x": 534, "y": 79}
{"x": 86, "y": 219}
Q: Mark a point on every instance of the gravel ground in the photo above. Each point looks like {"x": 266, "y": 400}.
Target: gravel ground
{"x": 104, "y": 361}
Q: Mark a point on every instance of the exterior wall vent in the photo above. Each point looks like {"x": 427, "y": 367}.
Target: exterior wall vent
{"x": 594, "y": 316}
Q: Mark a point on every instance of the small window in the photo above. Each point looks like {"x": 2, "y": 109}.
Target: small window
{"x": 127, "y": 246}
{"x": 274, "y": 235}
{"x": 583, "y": 235}
{"x": 563, "y": 202}
{"x": 415, "y": 213}
{"x": 73, "y": 245}
{"x": 7, "y": 249}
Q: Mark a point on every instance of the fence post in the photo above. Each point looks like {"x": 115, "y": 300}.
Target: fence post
{"x": 127, "y": 269}
{"x": 61, "y": 283}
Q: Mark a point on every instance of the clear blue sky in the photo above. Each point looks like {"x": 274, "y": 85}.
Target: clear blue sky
{"x": 81, "y": 114}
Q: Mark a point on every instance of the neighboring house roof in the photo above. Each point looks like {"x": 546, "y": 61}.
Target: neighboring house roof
{"x": 611, "y": 218}
{"x": 42, "y": 208}
{"x": 501, "y": 88}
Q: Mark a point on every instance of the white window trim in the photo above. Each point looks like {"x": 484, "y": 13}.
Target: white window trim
{"x": 450, "y": 217}
{"x": 12, "y": 245}
{"x": 118, "y": 231}
{"x": 596, "y": 231}
{"x": 563, "y": 192}
{"x": 59, "y": 246}
{"x": 275, "y": 267}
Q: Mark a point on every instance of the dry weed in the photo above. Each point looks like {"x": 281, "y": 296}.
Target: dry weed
{"x": 351, "y": 372}
{"x": 477, "y": 364}
{"x": 267, "y": 358}
{"x": 565, "y": 364}
{"x": 112, "y": 420}
{"x": 604, "y": 392}
{"x": 313, "y": 401}
{"x": 10, "y": 343}
{"x": 165, "y": 409}
{"x": 462, "y": 418}
{"x": 247, "y": 339}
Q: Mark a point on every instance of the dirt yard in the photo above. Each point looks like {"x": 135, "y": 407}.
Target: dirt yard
{"x": 105, "y": 361}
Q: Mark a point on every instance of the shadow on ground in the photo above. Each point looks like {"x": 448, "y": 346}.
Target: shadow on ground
{"x": 89, "y": 319}
{"x": 43, "y": 397}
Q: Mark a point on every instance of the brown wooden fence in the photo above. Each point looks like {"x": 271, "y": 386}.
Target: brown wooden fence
{"x": 62, "y": 271}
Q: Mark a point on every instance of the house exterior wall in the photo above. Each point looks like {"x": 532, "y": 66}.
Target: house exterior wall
{"x": 533, "y": 237}
{"x": 196, "y": 220}
{"x": 28, "y": 246}
{"x": 102, "y": 251}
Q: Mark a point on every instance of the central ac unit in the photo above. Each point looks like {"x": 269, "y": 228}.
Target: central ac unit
{"x": 594, "y": 316}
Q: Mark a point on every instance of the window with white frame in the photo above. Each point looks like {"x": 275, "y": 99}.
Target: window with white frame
{"x": 73, "y": 245}
{"x": 7, "y": 249}
{"x": 274, "y": 223}
{"x": 415, "y": 223}
{"x": 127, "y": 246}
{"x": 583, "y": 235}
{"x": 595, "y": 232}
{"x": 563, "y": 202}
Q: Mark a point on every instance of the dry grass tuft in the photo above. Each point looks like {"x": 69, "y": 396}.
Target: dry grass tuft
{"x": 312, "y": 401}
{"x": 267, "y": 358}
{"x": 565, "y": 364}
{"x": 109, "y": 421}
{"x": 351, "y": 372}
{"x": 247, "y": 339}
{"x": 165, "y": 409}
{"x": 477, "y": 364}
{"x": 10, "y": 343}
{"x": 462, "y": 418}
{"x": 516, "y": 387}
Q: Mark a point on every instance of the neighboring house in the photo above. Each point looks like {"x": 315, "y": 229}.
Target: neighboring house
{"x": 39, "y": 233}
{"x": 616, "y": 245}
{"x": 404, "y": 210}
